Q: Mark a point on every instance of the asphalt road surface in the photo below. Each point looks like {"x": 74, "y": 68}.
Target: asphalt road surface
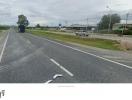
{"x": 26, "y": 58}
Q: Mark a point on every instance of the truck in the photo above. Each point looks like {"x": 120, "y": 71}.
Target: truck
{"x": 21, "y": 28}
{"x": 22, "y": 23}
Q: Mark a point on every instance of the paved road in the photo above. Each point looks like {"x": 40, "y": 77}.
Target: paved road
{"x": 26, "y": 58}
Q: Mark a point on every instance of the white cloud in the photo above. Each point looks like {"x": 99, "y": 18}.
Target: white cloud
{"x": 55, "y": 11}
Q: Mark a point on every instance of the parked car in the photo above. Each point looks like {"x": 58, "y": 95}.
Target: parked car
{"x": 82, "y": 33}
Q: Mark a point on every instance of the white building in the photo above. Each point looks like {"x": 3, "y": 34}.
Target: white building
{"x": 120, "y": 26}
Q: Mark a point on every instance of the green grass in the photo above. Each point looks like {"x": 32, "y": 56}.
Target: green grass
{"x": 0, "y": 33}
{"x": 99, "y": 43}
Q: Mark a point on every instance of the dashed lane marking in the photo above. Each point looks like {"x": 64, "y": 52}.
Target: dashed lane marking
{"x": 61, "y": 67}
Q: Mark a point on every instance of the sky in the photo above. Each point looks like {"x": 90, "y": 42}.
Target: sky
{"x": 53, "y": 12}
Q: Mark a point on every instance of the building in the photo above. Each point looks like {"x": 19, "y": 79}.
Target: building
{"x": 81, "y": 27}
{"x": 122, "y": 25}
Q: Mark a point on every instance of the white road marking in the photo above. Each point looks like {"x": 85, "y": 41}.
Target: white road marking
{"x": 3, "y": 48}
{"x": 57, "y": 75}
{"x": 54, "y": 77}
{"x": 130, "y": 67}
{"x": 64, "y": 69}
{"x": 49, "y": 81}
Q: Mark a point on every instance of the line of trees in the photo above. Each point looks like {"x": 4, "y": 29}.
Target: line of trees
{"x": 4, "y": 27}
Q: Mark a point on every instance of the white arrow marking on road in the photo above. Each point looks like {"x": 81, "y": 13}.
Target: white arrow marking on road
{"x": 3, "y": 48}
{"x": 54, "y": 77}
{"x": 57, "y": 75}
{"x": 49, "y": 81}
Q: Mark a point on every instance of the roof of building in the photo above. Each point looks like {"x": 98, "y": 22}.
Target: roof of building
{"x": 79, "y": 25}
{"x": 124, "y": 22}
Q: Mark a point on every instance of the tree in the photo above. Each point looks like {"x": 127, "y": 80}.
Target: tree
{"x": 38, "y": 26}
{"x": 105, "y": 20}
{"x": 22, "y": 20}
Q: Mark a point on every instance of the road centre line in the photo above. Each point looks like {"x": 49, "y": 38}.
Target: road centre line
{"x": 64, "y": 69}
{"x": 3, "y": 48}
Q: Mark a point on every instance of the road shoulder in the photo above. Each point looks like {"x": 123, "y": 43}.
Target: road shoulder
{"x": 2, "y": 39}
{"x": 119, "y": 56}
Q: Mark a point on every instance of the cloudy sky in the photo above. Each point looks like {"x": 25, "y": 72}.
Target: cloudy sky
{"x": 51, "y": 12}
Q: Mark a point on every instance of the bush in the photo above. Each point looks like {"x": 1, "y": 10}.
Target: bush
{"x": 128, "y": 32}
{"x": 4, "y": 27}
{"x": 125, "y": 32}
{"x": 105, "y": 32}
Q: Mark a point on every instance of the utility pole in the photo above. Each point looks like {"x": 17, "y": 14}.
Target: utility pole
{"x": 126, "y": 20}
{"x": 110, "y": 23}
{"x": 87, "y": 25}
{"x": 66, "y": 23}
{"x": 110, "y": 15}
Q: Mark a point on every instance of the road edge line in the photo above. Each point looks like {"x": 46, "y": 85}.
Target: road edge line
{"x": 105, "y": 59}
{"x": 3, "y": 47}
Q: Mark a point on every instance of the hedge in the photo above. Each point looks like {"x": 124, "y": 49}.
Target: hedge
{"x": 125, "y": 32}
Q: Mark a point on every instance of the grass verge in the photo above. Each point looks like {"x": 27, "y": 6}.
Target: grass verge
{"x": 99, "y": 43}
